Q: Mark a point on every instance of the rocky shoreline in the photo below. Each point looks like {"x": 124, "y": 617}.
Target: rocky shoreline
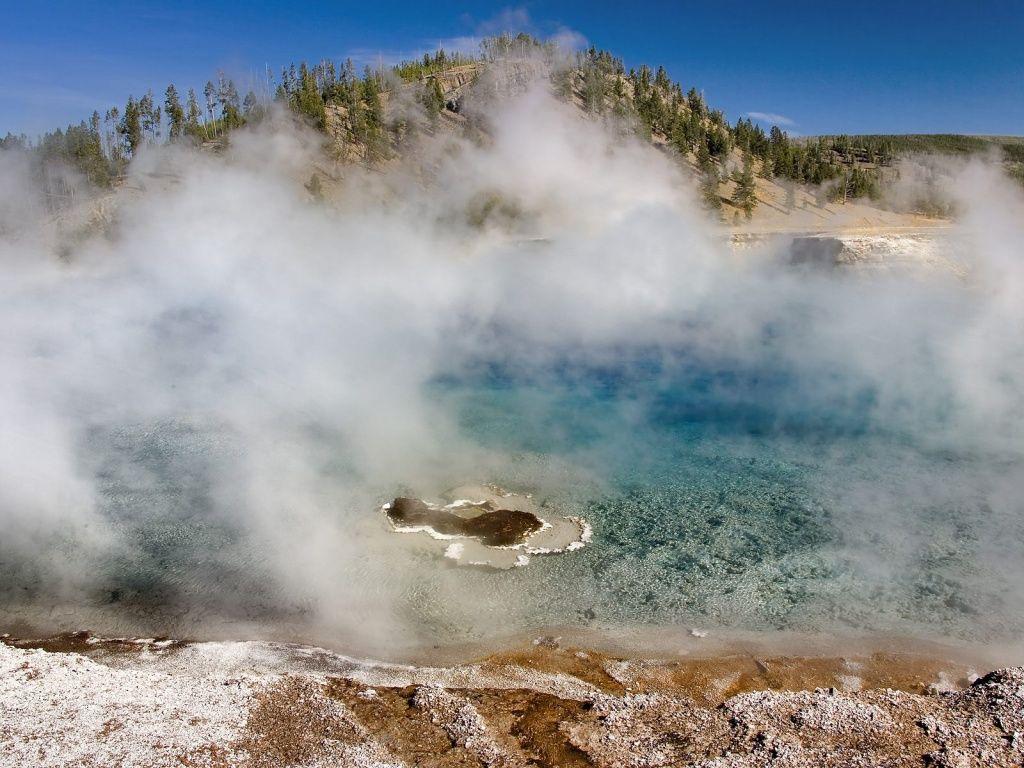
{"x": 79, "y": 700}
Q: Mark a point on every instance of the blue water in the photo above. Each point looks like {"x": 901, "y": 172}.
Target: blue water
{"x": 746, "y": 497}
{"x": 722, "y": 493}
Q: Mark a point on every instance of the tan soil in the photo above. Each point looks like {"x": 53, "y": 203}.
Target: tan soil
{"x": 540, "y": 705}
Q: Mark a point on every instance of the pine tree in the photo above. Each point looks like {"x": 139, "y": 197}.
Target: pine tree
{"x": 717, "y": 141}
{"x": 709, "y": 191}
{"x": 115, "y": 149}
{"x": 696, "y": 102}
{"x": 227, "y": 99}
{"x": 210, "y": 92}
{"x": 661, "y": 79}
{"x": 233, "y": 108}
{"x": 12, "y": 142}
{"x": 330, "y": 77}
{"x": 131, "y": 127}
{"x": 704, "y": 161}
{"x": 193, "y": 115}
{"x": 782, "y": 154}
{"x": 562, "y": 79}
{"x": 679, "y": 137}
{"x": 594, "y": 89}
{"x": 175, "y": 112}
{"x": 306, "y": 98}
{"x": 432, "y": 98}
{"x": 146, "y": 114}
{"x": 372, "y": 128}
{"x": 249, "y": 104}
{"x": 744, "y": 196}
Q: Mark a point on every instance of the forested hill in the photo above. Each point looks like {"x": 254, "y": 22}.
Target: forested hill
{"x": 352, "y": 109}
{"x": 933, "y": 143}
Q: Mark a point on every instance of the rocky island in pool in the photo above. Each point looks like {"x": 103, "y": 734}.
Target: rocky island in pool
{"x": 489, "y": 527}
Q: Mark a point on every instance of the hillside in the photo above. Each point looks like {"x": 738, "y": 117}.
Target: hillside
{"x": 933, "y": 143}
{"x": 690, "y": 133}
{"x": 749, "y": 179}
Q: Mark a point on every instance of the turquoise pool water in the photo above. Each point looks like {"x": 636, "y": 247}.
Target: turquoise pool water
{"x": 781, "y": 483}
{"x": 738, "y": 497}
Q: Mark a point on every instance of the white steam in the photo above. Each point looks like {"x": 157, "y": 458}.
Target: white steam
{"x": 295, "y": 341}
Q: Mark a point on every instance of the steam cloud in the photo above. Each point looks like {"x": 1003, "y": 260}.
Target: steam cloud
{"x": 280, "y": 353}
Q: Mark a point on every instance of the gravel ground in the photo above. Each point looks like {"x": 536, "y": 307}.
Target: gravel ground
{"x": 79, "y": 701}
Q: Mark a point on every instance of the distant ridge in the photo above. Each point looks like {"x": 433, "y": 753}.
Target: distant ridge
{"x": 940, "y": 143}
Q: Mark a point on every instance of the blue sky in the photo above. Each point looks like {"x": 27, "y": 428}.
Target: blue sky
{"x": 815, "y": 67}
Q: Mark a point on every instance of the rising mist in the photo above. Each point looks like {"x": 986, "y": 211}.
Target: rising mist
{"x": 228, "y": 363}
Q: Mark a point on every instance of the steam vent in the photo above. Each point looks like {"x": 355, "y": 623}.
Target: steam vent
{"x": 488, "y": 527}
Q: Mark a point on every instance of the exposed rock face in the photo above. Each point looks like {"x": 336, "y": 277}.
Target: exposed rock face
{"x": 816, "y": 251}
{"x": 880, "y": 252}
{"x": 338, "y": 126}
{"x": 454, "y": 82}
{"x": 492, "y": 527}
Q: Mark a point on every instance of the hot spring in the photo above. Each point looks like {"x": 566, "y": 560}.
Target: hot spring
{"x": 207, "y": 404}
{"x": 721, "y": 494}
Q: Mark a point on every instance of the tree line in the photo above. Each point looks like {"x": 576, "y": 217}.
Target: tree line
{"x": 646, "y": 98}
{"x": 659, "y": 107}
{"x": 101, "y": 147}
